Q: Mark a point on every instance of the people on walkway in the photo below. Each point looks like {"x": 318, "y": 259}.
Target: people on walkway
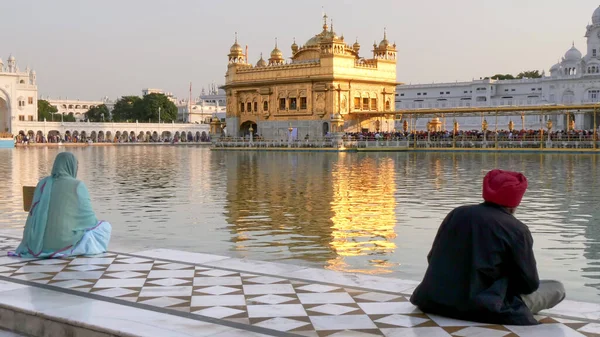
{"x": 481, "y": 265}
{"x": 61, "y": 220}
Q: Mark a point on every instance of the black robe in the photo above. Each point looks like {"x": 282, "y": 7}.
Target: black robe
{"x": 481, "y": 261}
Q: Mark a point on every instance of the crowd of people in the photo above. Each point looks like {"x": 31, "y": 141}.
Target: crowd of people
{"x": 476, "y": 135}
{"x": 56, "y": 138}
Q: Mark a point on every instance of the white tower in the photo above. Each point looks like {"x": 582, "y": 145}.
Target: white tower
{"x": 12, "y": 64}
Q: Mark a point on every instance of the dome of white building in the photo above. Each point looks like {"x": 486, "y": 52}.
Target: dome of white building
{"x": 573, "y": 54}
{"x": 555, "y": 67}
{"x": 596, "y": 16}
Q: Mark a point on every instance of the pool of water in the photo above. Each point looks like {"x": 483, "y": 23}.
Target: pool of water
{"x": 373, "y": 213}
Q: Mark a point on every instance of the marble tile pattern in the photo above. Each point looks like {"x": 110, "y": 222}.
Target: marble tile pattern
{"x": 288, "y": 306}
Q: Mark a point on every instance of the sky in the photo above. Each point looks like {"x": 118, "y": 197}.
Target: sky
{"x": 92, "y": 49}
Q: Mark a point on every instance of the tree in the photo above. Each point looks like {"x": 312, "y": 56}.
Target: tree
{"x": 98, "y": 113}
{"x": 146, "y": 109}
{"x": 45, "y": 110}
{"x": 503, "y": 77}
{"x": 124, "y": 109}
{"x": 69, "y": 118}
{"x": 529, "y": 74}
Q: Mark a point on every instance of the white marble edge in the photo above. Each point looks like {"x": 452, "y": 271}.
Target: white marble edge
{"x": 105, "y": 317}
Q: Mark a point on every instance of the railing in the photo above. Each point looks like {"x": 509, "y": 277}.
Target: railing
{"x": 421, "y": 142}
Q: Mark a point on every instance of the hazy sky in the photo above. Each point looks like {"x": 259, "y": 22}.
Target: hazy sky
{"x": 88, "y": 49}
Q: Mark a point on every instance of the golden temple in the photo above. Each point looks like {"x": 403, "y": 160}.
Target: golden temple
{"x": 324, "y": 87}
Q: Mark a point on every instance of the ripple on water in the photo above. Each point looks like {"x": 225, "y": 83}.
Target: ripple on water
{"x": 369, "y": 213}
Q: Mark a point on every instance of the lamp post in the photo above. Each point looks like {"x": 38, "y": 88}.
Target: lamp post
{"x": 158, "y": 115}
{"x": 549, "y": 126}
{"x": 251, "y": 133}
{"x": 290, "y": 129}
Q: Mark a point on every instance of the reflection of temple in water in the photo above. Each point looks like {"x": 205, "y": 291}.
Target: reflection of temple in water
{"x": 364, "y": 217}
{"x": 280, "y": 203}
{"x": 315, "y": 207}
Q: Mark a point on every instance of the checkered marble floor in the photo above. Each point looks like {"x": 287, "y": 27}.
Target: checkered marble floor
{"x": 285, "y": 306}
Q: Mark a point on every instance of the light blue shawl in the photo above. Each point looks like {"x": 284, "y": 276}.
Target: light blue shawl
{"x": 60, "y": 214}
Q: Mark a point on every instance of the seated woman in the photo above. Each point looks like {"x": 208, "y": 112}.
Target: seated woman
{"x": 61, "y": 221}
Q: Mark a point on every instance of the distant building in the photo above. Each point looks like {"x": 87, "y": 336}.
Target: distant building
{"x": 575, "y": 79}
{"x": 18, "y": 94}
{"x": 204, "y": 107}
{"x": 77, "y": 107}
{"x": 170, "y": 95}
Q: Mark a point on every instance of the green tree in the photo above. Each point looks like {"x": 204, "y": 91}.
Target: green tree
{"x": 98, "y": 113}
{"x": 503, "y": 77}
{"x": 45, "y": 110}
{"x": 529, "y": 74}
{"x": 69, "y": 118}
{"x": 124, "y": 109}
{"x": 146, "y": 109}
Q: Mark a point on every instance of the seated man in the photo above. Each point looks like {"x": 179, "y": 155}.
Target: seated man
{"x": 481, "y": 265}
{"x": 61, "y": 220}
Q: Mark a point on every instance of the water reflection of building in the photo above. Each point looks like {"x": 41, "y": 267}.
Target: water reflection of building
{"x": 279, "y": 203}
{"x": 364, "y": 218}
{"x": 338, "y": 210}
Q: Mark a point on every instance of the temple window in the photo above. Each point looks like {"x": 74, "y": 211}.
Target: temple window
{"x": 242, "y": 107}
{"x": 255, "y": 106}
{"x": 356, "y": 103}
{"x": 30, "y": 100}
{"x": 249, "y": 107}
{"x": 282, "y": 104}
{"x": 365, "y": 103}
{"x": 21, "y": 118}
{"x": 265, "y": 106}
{"x": 30, "y": 118}
{"x": 293, "y": 105}
{"x": 373, "y": 103}
{"x": 594, "y": 52}
{"x": 387, "y": 106}
{"x": 303, "y": 103}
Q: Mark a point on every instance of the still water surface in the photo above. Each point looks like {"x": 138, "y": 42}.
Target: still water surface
{"x": 369, "y": 213}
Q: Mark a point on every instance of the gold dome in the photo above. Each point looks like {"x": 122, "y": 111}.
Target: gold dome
{"x": 261, "y": 62}
{"x": 294, "y": 46}
{"x": 236, "y": 49}
{"x": 356, "y": 46}
{"x": 384, "y": 43}
{"x": 276, "y": 53}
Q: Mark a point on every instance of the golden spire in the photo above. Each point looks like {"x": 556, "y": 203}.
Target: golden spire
{"x": 331, "y": 21}
{"x": 385, "y": 33}
{"x": 325, "y": 22}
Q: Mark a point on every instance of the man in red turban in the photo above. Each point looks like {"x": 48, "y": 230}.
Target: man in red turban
{"x": 481, "y": 265}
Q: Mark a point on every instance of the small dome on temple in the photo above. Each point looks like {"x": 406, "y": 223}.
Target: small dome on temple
{"x": 261, "y": 62}
{"x": 356, "y": 46}
{"x": 294, "y": 46}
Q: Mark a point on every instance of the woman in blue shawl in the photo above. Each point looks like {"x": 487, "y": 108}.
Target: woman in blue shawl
{"x": 61, "y": 220}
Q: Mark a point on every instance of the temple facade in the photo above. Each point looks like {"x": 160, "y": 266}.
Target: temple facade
{"x": 322, "y": 88}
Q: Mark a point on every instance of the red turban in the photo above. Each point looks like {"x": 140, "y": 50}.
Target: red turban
{"x": 504, "y": 188}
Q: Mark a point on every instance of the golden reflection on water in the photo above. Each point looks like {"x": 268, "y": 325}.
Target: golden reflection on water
{"x": 364, "y": 217}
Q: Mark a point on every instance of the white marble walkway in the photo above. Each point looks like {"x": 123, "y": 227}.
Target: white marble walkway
{"x": 173, "y": 293}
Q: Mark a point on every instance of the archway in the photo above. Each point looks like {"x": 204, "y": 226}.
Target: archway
{"x": 30, "y": 136}
{"x": 197, "y": 136}
{"x": 190, "y": 136}
{"x": 203, "y": 136}
{"x": 155, "y": 136}
{"x": 67, "y": 135}
{"x": 166, "y": 135}
{"x": 148, "y": 136}
{"x": 140, "y": 137}
{"x": 325, "y": 128}
{"x": 53, "y": 136}
{"x": 109, "y": 137}
{"x": 4, "y": 117}
{"x": 245, "y": 128}
{"x": 117, "y": 136}
{"x": 94, "y": 136}
{"x": 83, "y": 136}
{"x": 125, "y": 136}
{"x": 100, "y": 136}
{"x": 39, "y": 137}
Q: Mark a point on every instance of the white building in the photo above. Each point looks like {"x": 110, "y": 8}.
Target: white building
{"x": 170, "y": 96}
{"x": 18, "y": 94}
{"x": 574, "y": 80}
{"x": 204, "y": 107}
{"x": 77, "y": 107}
